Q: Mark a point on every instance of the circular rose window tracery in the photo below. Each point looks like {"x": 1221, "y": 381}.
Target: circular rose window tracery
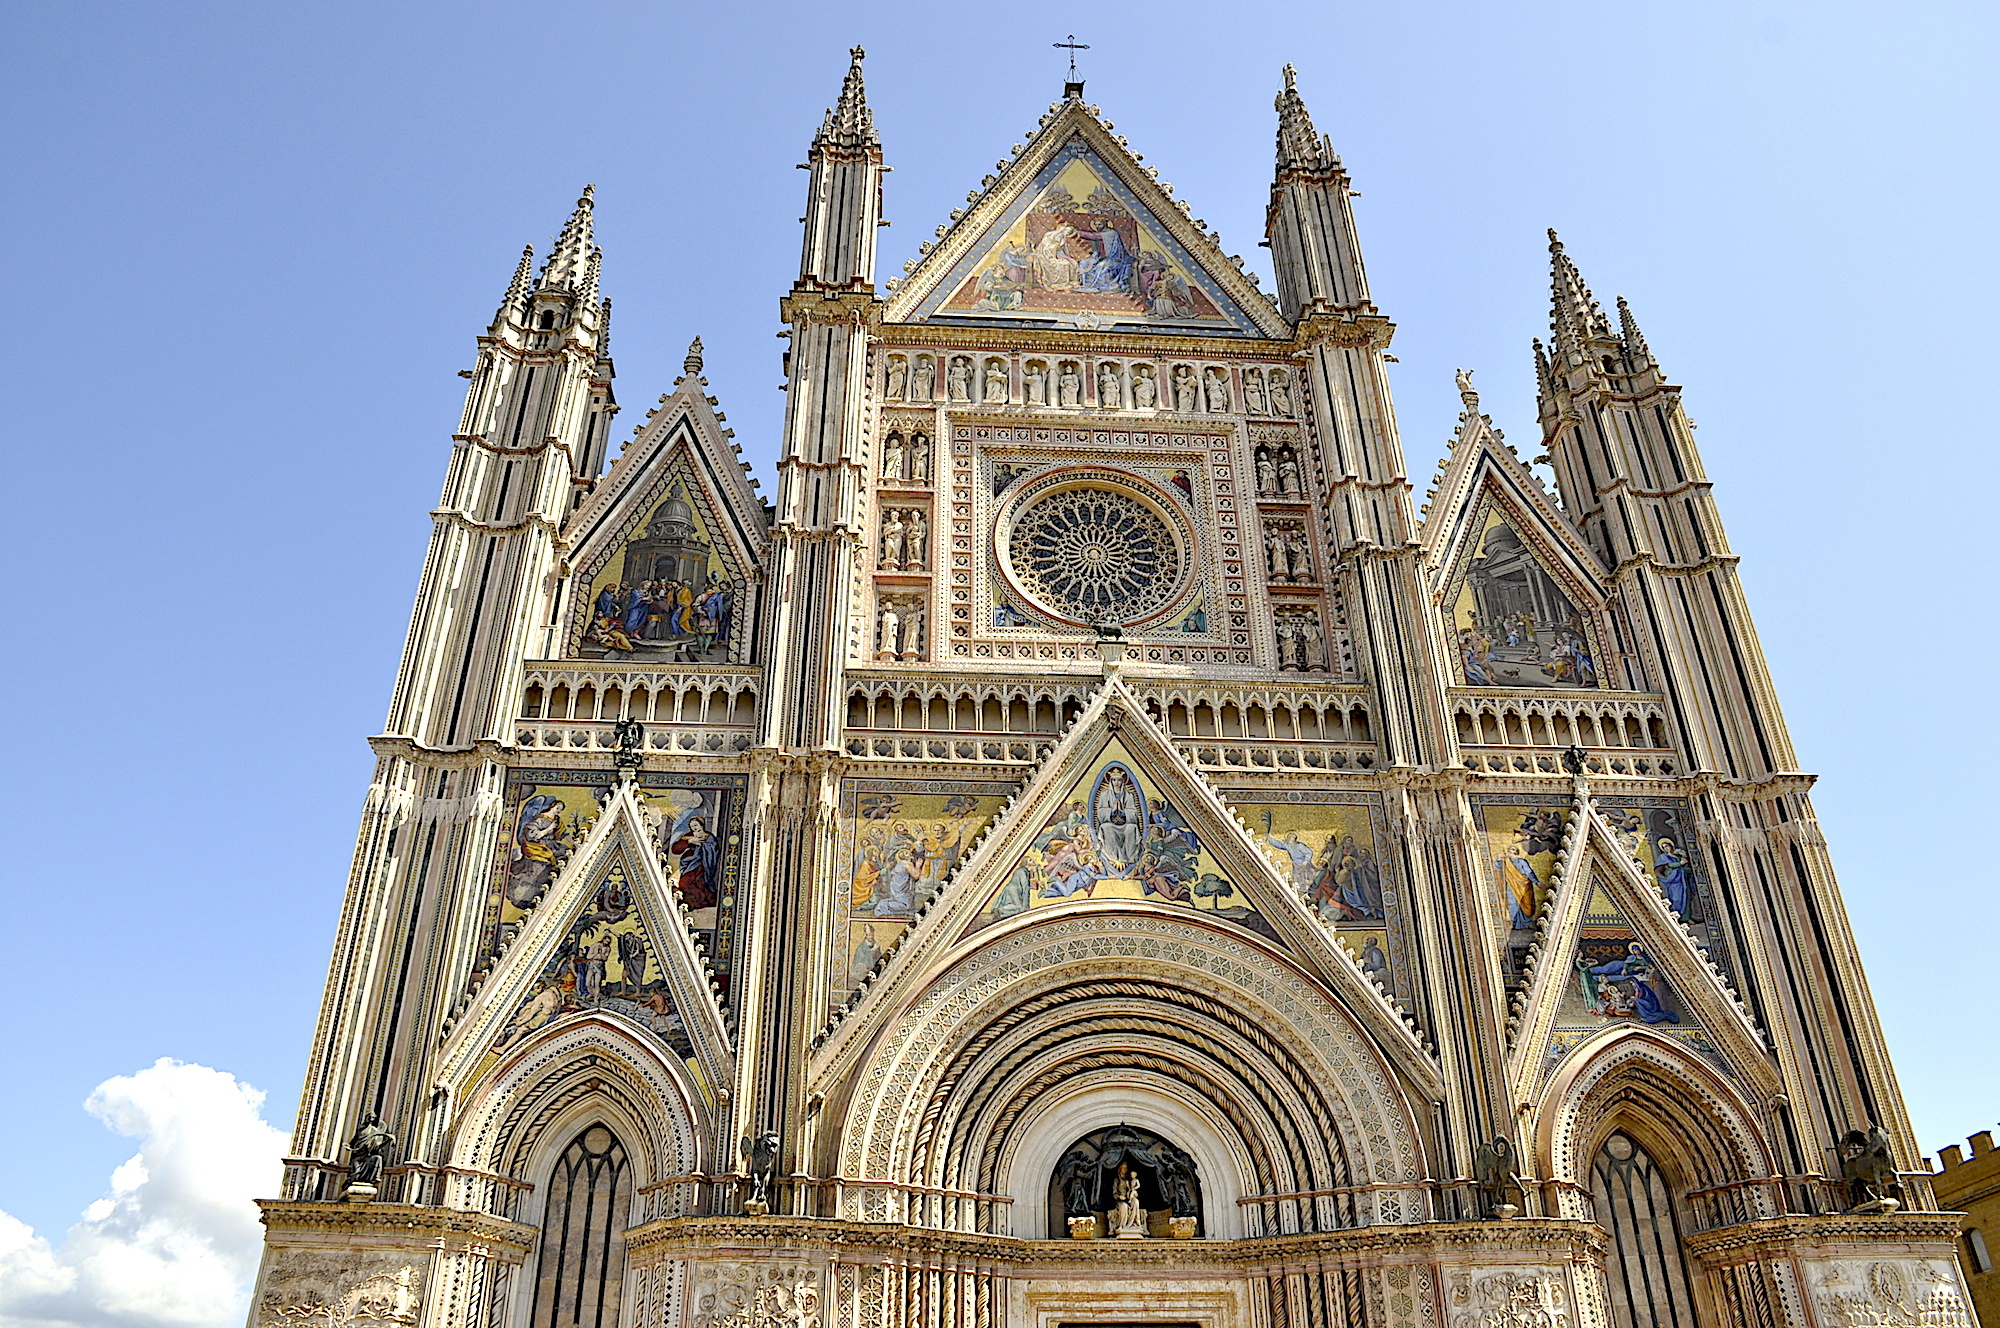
{"x": 1094, "y": 555}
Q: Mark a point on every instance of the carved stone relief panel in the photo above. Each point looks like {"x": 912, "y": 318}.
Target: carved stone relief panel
{"x": 744, "y": 1295}
{"x": 1893, "y": 1293}
{"x": 340, "y": 1287}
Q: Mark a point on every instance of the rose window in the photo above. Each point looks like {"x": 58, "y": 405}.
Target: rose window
{"x": 1094, "y": 555}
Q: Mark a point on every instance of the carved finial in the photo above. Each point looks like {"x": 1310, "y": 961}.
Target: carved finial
{"x": 1574, "y": 315}
{"x": 1291, "y": 78}
{"x": 1465, "y": 392}
{"x": 1299, "y": 145}
{"x": 850, "y": 123}
{"x": 1636, "y": 349}
{"x": 692, "y": 364}
{"x": 523, "y": 275}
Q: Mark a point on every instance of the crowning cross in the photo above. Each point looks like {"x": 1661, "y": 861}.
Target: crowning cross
{"x": 1074, "y": 88}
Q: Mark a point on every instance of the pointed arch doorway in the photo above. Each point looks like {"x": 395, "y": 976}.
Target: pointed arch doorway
{"x": 1645, "y": 1273}
{"x": 580, "y": 1263}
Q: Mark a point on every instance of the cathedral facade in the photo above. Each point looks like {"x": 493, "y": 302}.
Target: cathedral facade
{"x": 1098, "y": 848}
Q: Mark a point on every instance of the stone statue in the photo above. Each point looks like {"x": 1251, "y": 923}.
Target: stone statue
{"x": 1288, "y": 472}
{"x": 914, "y": 538}
{"x": 1281, "y": 395}
{"x": 1069, "y": 385}
{"x": 1574, "y": 758}
{"x": 1312, "y": 646}
{"x": 1267, "y": 474}
{"x": 892, "y": 539}
{"x": 996, "y": 382}
{"x": 891, "y": 623}
{"x": 958, "y": 380}
{"x": 1253, "y": 391}
{"x": 631, "y": 737}
{"x": 760, "y": 1155}
{"x": 1216, "y": 384}
{"x": 1076, "y": 1176}
{"x": 1493, "y": 1172}
{"x": 1274, "y": 565}
{"x": 925, "y": 380}
{"x": 368, "y": 1151}
{"x": 1035, "y": 383}
{"x": 1465, "y": 392}
{"x": 899, "y": 379}
{"x": 1870, "y": 1173}
{"x": 892, "y": 457}
{"x": 920, "y": 457}
{"x": 1184, "y": 390}
{"x": 1127, "y": 1218}
{"x": 1298, "y": 556}
{"x": 1145, "y": 392}
{"x": 1109, "y": 392}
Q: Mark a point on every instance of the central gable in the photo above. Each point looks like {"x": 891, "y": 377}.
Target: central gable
{"x": 1077, "y": 247}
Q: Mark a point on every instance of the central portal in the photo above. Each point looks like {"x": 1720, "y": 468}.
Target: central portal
{"x": 1124, "y": 1183}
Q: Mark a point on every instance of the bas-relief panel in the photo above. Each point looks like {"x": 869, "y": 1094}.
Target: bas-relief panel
{"x": 1079, "y": 249}
{"x": 694, "y": 825}
{"x": 668, "y": 593}
{"x": 1328, "y": 844}
{"x": 1116, "y": 836}
{"x": 899, "y": 840}
{"x": 1511, "y": 624}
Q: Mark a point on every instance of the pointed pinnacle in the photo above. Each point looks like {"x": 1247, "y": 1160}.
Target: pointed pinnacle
{"x": 692, "y": 364}
{"x": 572, "y": 251}
{"x": 523, "y": 274}
{"x": 1636, "y": 348}
{"x": 850, "y": 123}
{"x": 1299, "y": 145}
{"x": 592, "y": 269}
{"x": 1573, "y": 311}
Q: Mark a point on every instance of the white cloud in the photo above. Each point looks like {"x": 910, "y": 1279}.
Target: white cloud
{"x": 175, "y": 1242}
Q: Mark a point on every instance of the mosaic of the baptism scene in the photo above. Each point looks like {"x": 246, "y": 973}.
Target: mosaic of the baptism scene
{"x": 1115, "y": 835}
{"x": 1079, "y": 248}
{"x": 693, "y": 824}
{"x": 667, "y": 594}
{"x": 1524, "y": 834}
{"x": 900, "y": 839}
{"x": 1327, "y": 843}
{"x": 1511, "y": 624}
{"x": 605, "y": 962}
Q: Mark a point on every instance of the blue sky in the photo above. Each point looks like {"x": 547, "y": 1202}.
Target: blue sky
{"x": 251, "y": 244}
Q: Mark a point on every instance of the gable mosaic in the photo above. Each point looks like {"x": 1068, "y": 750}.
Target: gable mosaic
{"x": 668, "y": 593}
{"x": 1512, "y": 624}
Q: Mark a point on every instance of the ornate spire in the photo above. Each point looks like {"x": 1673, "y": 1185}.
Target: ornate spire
{"x": 1299, "y": 146}
{"x": 691, "y": 366}
{"x": 593, "y": 267}
{"x": 523, "y": 275}
{"x": 850, "y": 124}
{"x": 567, "y": 261}
{"x": 1545, "y": 377}
{"x": 1636, "y": 349}
{"x": 1573, "y": 312}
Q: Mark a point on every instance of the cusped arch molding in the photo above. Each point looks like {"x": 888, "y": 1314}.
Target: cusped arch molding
{"x": 1694, "y": 1123}
{"x": 1297, "y": 1096}
{"x": 579, "y": 1072}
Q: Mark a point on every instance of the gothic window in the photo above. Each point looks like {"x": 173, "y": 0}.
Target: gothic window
{"x": 580, "y": 1269}
{"x": 1647, "y": 1271}
{"x": 1975, "y": 1245}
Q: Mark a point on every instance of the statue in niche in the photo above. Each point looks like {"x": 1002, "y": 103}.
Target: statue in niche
{"x": 1110, "y": 393}
{"x": 760, "y": 1156}
{"x": 1176, "y": 1172}
{"x": 892, "y": 457}
{"x": 1076, "y": 1177}
{"x": 910, "y": 645}
{"x": 1216, "y": 384}
{"x": 899, "y": 378}
{"x": 914, "y": 538}
{"x": 889, "y": 624}
{"x": 368, "y": 1151}
{"x": 892, "y": 539}
{"x": 1281, "y": 394}
{"x": 1035, "y": 383}
{"x": 1145, "y": 392}
{"x": 996, "y": 382}
{"x": 1493, "y": 1172}
{"x": 1069, "y": 385}
{"x": 1185, "y": 388}
{"x": 920, "y": 457}
{"x": 1274, "y": 556}
{"x": 1128, "y": 1219}
{"x": 925, "y": 380}
{"x": 1253, "y": 391}
{"x": 958, "y": 379}
{"x": 630, "y": 735}
{"x": 1288, "y": 472}
{"x": 1267, "y": 473}
{"x": 1298, "y": 561}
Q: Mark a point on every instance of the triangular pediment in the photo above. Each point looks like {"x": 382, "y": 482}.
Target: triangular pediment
{"x": 608, "y": 940}
{"x": 1609, "y": 955}
{"x": 1522, "y": 597}
{"x": 1075, "y": 233}
{"x": 1116, "y": 820}
{"x": 667, "y": 552}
